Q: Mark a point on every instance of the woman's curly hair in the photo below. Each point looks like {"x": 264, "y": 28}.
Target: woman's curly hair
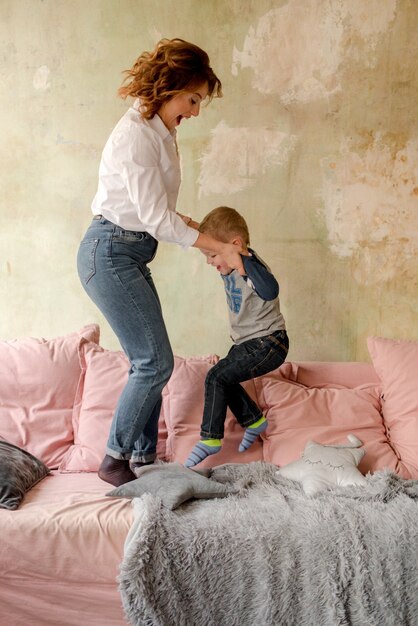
{"x": 173, "y": 66}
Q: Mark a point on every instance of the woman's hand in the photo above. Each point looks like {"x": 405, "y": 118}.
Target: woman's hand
{"x": 189, "y": 221}
{"x": 193, "y": 224}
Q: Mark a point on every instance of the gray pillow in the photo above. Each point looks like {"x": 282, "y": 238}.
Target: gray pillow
{"x": 19, "y": 472}
{"x": 173, "y": 483}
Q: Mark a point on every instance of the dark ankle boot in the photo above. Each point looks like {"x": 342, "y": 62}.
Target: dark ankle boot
{"x": 115, "y": 471}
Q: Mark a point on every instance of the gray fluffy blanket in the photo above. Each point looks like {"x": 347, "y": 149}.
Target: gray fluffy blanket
{"x": 272, "y": 556}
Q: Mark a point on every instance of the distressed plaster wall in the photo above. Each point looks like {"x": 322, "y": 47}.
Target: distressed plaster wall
{"x": 315, "y": 142}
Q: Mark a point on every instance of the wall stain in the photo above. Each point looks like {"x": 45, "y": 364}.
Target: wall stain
{"x": 237, "y": 157}
{"x": 370, "y": 206}
{"x": 41, "y": 80}
{"x": 337, "y": 32}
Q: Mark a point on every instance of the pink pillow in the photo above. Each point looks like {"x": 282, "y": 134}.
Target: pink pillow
{"x": 297, "y": 414}
{"x": 105, "y": 373}
{"x": 319, "y": 373}
{"x": 183, "y": 414}
{"x": 38, "y": 384}
{"x": 396, "y": 363}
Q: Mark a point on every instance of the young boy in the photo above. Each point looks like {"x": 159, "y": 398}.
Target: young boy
{"x": 257, "y": 329}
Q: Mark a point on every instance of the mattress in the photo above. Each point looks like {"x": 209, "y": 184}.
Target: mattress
{"x": 60, "y": 554}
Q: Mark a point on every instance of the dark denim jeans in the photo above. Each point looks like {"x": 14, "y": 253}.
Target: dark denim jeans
{"x": 244, "y": 361}
{"x": 112, "y": 266}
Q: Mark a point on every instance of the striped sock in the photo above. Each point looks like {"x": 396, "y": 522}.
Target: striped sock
{"x": 203, "y": 449}
{"x": 251, "y": 433}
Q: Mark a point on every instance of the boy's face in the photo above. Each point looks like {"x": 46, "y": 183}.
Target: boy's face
{"x": 216, "y": 261}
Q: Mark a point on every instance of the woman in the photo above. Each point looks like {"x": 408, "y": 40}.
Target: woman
{"x": 134, "y": 208}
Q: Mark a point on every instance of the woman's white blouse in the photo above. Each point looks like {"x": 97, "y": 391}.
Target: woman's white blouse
{"x": 139, "y": 180}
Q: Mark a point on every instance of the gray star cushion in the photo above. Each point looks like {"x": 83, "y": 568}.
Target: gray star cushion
{"x": 172, "y": 483}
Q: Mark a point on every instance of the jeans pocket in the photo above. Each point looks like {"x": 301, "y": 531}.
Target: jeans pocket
{"x": 141, "y": 246}
{"x": 271, "y": 361}
{"x": 127, "y": 236}
{"x": 86, "y": 259}
{"x": 254, "y": 346}
{"x": 279, "y": 340}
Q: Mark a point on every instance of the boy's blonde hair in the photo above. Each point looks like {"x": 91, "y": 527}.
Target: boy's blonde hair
{"x": 224, "y": 223}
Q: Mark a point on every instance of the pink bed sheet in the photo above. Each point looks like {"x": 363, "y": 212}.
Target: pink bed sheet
{"x": 60, "y": 554}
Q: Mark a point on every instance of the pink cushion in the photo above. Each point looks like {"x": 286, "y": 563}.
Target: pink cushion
{"x": 38, "y": 384}
{"x": 297, "y": 414}
{"x": 350, "y": 374}
{"x": 184, "y": 412}
{"x": 396, "y": 363}
{"x": 105, "y": 373}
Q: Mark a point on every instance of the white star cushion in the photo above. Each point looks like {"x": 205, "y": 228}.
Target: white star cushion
{"x": 322, "y": 467}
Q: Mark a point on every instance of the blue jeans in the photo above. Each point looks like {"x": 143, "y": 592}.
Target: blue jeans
{"x": 244, "y": 361}
{"x": 113, "y": 269}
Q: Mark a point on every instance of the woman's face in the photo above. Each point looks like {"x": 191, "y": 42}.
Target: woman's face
{"x": 184, "y": 105}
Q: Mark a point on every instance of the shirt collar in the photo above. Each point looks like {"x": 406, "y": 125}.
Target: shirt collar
{"x": 157, "y": 124}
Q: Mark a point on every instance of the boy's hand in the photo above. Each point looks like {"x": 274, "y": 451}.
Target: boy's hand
{"x": 232, "y": 256}
{"x": 224, "y": 256}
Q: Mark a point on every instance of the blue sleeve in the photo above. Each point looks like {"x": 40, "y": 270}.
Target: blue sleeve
{"x": 263, "y": 281}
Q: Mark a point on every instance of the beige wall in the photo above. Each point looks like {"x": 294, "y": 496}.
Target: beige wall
{"x": 315, "y": 142}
